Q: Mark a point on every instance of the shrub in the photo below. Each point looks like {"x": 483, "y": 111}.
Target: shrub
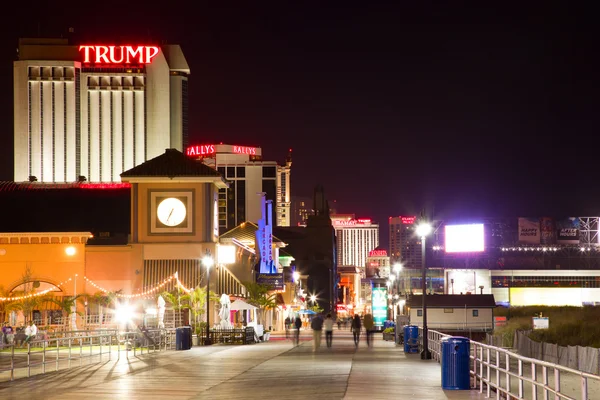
{"x": 388, "y": 330}
{"x": 569, "y": 326}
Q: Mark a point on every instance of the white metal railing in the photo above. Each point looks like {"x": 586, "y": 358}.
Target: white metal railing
{"x": 68, "y": 349}
{"x": 462, "y": 326}
{"x": 503, "y": 374}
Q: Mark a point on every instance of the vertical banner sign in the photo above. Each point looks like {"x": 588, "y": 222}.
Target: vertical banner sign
{"x": 529, "y": 230}
{"x": 379, "y": 302}
{"x": 264, "y": 238}
{"x": 547, "y": 231}
{"x": 567, "y": 231}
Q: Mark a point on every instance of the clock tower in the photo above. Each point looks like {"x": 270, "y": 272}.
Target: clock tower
{"x": 174, "y": 215}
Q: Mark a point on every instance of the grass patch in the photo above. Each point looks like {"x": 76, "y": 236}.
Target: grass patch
{"x": 569, "y": 326}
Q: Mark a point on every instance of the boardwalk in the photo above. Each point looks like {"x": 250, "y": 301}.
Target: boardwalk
{"x": 275, "y": 369}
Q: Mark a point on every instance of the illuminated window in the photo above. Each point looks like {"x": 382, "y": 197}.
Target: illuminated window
{"x": 476, "y": 313}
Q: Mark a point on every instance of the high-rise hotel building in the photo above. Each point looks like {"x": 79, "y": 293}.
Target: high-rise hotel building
{"x": 95, "y": 111}
{"x": 405, "y": 244}
{"x": 248, "y": 176}
{"x": 355, "y": 239}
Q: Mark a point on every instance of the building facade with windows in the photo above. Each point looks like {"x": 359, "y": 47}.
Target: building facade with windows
{"x": 95, "y": 111}
{"x": 355, "y": 238}
{"x": 248, "y": 176}
{"x": 405, "y": 245}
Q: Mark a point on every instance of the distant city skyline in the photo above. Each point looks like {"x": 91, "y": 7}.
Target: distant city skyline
{"x": 481, "y": 111}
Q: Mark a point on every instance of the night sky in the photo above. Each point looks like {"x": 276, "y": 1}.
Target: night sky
{"x": 467, "y": 111}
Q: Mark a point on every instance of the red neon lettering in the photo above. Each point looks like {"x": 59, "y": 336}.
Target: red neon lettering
{"x": 151, "y": 51}
{"x": 346, "y": 223}
{"x": 111, "y": 50}
{"x": 86, "y": 54}
{"x": 244, "y": 150}
{"x": 128, "y": 54}
{"x": 101, "y": 52}
{"x": 139, "y": 51}
{"x": 201, "y": 150}
{"x": 408, "y": 220}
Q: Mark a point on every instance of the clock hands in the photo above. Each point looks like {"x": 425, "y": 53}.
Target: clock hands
{"x": 171, "y": 213}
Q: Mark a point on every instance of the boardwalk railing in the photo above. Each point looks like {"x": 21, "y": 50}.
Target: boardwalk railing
{"x": 71, "y": 348}
{"x": 511, "y": 376}
{"x": 230, "y": 336}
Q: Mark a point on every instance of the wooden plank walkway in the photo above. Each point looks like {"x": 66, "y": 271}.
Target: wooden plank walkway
{"x": 276, "y": 369}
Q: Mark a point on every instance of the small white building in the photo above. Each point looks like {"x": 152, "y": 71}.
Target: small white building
{"x": 453, "y": 313}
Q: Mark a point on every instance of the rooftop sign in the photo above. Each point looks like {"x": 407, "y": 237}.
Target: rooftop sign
{"x": 93, "y": 54}
{"x": 211, "y": 149}
{"x": 351, "y": 222}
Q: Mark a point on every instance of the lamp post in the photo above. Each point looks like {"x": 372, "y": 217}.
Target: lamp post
{"x": 391, "y": 297}
{"x": 423, "y": 230}
{"x": 207, "y": 261}
{"x": 397, "y": 269}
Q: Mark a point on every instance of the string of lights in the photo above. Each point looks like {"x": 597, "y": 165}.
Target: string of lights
{"x": 144, "y": 294}
{"x": 37, "y": 294}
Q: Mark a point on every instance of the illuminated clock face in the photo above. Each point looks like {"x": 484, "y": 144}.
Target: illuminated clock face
{"x": 171, "y": 211}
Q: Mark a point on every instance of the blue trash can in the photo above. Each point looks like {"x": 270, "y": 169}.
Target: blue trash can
{"x": 183, "y": 338}
{"x": 411, "y": 339}
{"x": 455, "y": 363}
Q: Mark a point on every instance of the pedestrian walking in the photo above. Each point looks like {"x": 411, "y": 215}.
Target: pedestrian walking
{"x": 355, "y": 326}
{"x": 328, "y": 324}
{"x": 287, "y": 322}
{"x": 297, "y": 325}
{"x": 339, "y": 323}
{"x": 369, "y": 325}
{"x": 317, "y": 327}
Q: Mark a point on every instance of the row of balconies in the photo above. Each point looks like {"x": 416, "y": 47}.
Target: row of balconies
{"x": 117, "y": 88}
{"x": 50, "y": 78}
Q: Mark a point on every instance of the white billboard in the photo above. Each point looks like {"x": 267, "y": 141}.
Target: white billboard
{"x": 464, "y": 238}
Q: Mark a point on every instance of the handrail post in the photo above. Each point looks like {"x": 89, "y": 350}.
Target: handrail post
{"x": 12, "y": 362}
{"x": 556, "y": 382}
{"x": 28, "y": 360}
{"x": 507, "y": 358}
{"x": 534, "y": 381}
{"x": 43, "y": 359}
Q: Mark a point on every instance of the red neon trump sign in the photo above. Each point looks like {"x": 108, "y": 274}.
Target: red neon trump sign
{"x": 118, "y": 54}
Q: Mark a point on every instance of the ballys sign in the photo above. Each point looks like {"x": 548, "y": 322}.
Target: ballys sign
{"x": 93, "y": 54}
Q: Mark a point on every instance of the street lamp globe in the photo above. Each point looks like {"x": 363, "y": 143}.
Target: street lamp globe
{"x": 313, "y": 298}
{"x": 296, "y": 276}
{"x": 392, "y": 278}
{"x": 397, "y": 267}
{"x": 207, "y": 261}
{"x": 423, "y": 229}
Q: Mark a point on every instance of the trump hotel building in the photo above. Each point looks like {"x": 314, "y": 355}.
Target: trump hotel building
{"x": 91, "y": 174}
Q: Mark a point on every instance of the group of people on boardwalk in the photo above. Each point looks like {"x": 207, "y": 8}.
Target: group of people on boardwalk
{"x": 20, "y": 336}
{"x": 318, "y": 325}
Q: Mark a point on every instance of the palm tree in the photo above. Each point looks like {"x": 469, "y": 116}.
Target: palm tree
{"x": 3, "y": 293}
{"x": 68, "y": 305}
{"x": 28, "y": 302}
{"x": 194, "y": 301}
{"x": 258, "y": 295}
{"x": 103, "y": 300}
